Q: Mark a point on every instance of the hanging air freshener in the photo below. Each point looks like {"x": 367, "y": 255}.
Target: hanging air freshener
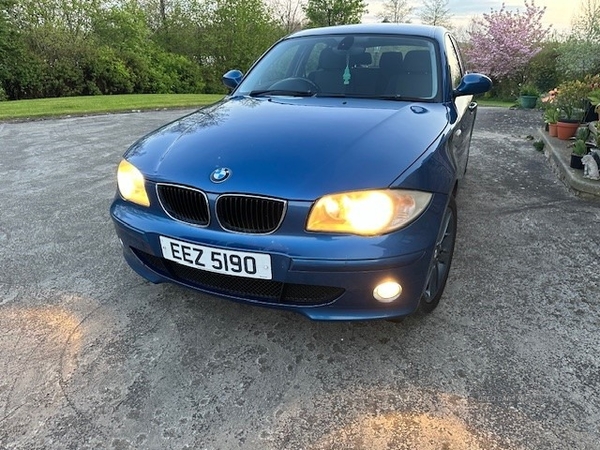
{"x": 346, "y": 77}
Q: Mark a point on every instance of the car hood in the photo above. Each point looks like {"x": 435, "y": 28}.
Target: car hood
{"x": 293, "y": 148}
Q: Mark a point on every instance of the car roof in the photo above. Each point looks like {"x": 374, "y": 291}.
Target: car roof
{"x": 405, "y": 29}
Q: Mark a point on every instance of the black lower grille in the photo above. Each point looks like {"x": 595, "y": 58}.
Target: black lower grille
{"x": 227, "y": 284}
{"x": 267, "y": 291}
{"x": 154, "y": 262}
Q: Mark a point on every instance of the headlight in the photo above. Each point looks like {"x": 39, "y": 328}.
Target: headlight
{"x": 132, "y": 184}
{"x": 367, "y": 213}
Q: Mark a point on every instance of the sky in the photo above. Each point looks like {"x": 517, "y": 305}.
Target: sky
{"x": 559, "y": 13}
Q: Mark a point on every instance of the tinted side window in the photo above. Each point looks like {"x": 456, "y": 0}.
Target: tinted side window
{"x": 454, "y": 62}
{"x": 282, "y": 67}
{"x": 313, "y": 58}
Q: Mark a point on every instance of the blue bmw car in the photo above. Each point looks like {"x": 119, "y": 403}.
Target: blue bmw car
{"x": 324, "y": 183}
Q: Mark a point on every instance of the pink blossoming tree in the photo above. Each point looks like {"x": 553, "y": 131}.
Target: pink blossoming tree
{"x": 504, "y": 41}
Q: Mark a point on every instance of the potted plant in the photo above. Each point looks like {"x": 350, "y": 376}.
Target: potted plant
{"x": 570, "y": 100}
{"x": 551, "y": 115}
{"x": 528, "y": 96}
{"x": 592, "y": 102}
{"x": 577, "y": 154}
{"x": 594, "y": 98}
{"x": 580, "y": 148}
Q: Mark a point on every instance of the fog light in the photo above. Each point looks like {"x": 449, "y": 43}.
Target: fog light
{"x": 387, "y": 292}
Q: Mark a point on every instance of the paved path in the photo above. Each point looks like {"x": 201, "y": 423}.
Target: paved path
{"x": 92, "y": 356}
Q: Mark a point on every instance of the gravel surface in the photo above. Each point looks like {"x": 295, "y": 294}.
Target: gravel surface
{"x": 92, "y": 356}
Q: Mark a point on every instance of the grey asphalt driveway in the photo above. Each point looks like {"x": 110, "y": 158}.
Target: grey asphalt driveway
{"x": 92, "y": 356}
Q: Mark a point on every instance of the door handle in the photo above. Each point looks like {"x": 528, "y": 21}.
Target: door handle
{"x": 457, "y": 133}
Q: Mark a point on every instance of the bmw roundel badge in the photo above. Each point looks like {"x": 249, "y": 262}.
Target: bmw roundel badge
{"x": 219, "y": 175}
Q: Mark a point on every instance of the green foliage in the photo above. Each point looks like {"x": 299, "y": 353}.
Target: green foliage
{"x": 6, "y": 37}
{"x": 594, "y": 98}
{"x": 107, "y": 73}
{"x": 586, "y": 25}
{"x": 504, "y": 89}
{"x": 542, "y": 71}
{"x": 579, "y": 148}
{"x": 538, "y": 145}
{"x": 323, "y": 13}
{"x": 529, "y": 89}
{"x": 237, "y": 32}
{"x": 578, "y": 57}
{"x": 551, "y": 115}
{"x": 26, "y": 77}
{"x": 11, "y": 47}
{"x": 571, "y": 99}
{"x": 56, "y": 48}
{"x": 583, "y": 133}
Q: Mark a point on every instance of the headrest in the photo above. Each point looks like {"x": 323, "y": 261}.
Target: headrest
{"x": 361, "y": 59}
{"x": 417, "y": 61}
{"x": 390, "y": 61}
{"x": 330, "y": 59}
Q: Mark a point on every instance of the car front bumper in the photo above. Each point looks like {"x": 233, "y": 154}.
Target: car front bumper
{"x": 324, "y": 277}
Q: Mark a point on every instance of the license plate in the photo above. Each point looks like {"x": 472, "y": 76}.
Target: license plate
{"x": 239, "y": 264}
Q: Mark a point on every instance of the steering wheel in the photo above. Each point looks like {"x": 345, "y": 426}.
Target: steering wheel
{"x": 295, "y": 84}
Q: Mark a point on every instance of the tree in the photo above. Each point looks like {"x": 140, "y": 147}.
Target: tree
{"x": 71, "y": 16}
{"x": 130, "y": 61}
{"x": 586, "y": 25}
{"x": 289, "y": 14}
{"x": 236, "y": 32}
{"x": 580, "y": 53}
{"x": 6, "y": 36}
{"x": 542, "y": 69}
{"x": 435, "y": 12}
{"x": 395, "y": 11}
{"x": 8, "y": 46}
{"x": 81, "y": 47}
{"x": 503, "y": 41}
{"x": 323, "y": 13}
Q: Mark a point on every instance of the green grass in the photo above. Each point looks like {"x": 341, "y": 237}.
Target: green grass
{"x": 50, "y": 107}
{"x": 99, "y": 104}
{"x": 493, "y": 102}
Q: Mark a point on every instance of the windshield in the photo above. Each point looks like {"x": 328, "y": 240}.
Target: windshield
{"x": 369, "y": 66}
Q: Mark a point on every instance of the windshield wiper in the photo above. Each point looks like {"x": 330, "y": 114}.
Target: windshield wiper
{"x": 399, "y": 98}
{"x": 267, "y": 92}
{"x": 331, "y": 94}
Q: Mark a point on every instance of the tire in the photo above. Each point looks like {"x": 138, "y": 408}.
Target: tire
{"x": 441, "y": 260}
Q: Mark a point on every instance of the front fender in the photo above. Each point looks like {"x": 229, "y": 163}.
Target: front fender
{"x": 433, "y": 171}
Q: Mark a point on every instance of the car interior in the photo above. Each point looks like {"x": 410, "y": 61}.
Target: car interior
{"x": 391, "y": 74}
{"x": 349, "y": 66}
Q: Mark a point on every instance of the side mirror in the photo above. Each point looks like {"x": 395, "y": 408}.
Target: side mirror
{"x": 473, "y": 83}
{"x": 232, "y": 78}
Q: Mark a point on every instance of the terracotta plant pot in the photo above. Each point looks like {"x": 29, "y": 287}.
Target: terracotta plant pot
{"x": 566, "y": 130}
{"x": 552, "y": 131}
